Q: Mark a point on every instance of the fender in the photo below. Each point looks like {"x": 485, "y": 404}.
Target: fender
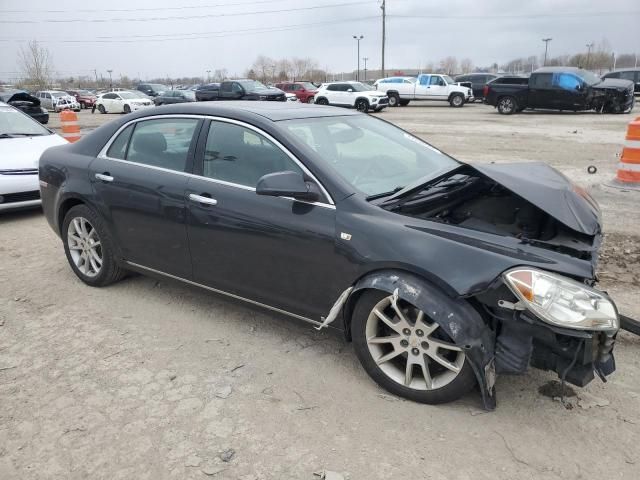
{"x": 455, "y": 315}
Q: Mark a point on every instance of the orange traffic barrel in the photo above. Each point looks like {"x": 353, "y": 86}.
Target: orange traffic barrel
{"x": 629, "y": 166}
{"x": 70, "y": 127}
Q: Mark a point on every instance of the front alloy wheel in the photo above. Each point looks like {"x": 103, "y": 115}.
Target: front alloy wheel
{"x": 84, "y": 245}
{"x": 406, "y": 352}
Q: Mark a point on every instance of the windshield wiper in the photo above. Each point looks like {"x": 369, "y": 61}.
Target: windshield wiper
{"x": 383, "y": 194}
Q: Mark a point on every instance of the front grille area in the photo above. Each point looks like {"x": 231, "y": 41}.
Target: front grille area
{"x": 20, "y": 197}
{"x": 383, "y": 101}
{"x": 277, "y": 98}
{"x": 20, "y": 171}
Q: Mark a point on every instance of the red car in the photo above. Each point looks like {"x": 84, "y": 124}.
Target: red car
{"x": 85, "y": 98}
{"x": 305, "y": 91}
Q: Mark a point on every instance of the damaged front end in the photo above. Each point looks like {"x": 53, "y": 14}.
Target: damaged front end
{"x": 613, "y": 96}
{"x": 551, "y": 320}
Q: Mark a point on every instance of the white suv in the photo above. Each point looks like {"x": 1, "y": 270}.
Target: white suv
{"x": 351, "y": 94}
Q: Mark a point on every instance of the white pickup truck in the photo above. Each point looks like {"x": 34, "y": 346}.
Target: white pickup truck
{"x": 428, "y": 86}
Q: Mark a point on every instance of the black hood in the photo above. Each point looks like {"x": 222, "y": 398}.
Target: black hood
{"x": 615, "y": 83}
{"x": 8, "y": 97}
{"x": 549, "y": 190}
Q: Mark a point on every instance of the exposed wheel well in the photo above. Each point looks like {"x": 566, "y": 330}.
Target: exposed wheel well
{"x": 360, "y": 99}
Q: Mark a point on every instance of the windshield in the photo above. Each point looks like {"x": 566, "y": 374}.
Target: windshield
{"x": 360, "y": 87}
{"x": 373, "y": 156}
{"x": 13, "y": 122}
{"x": 84, "y": 92}
{"x": 448, "y": 79}
{"x": 250, "y": 85}
{"x": 309, "y": 86}
{"x": 189, "y": 94}
{"x": 590, "y": 78}
{"x": 129, "y": 95}
{"x": 158, "y": 87}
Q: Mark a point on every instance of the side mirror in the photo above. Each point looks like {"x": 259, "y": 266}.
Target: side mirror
{"x": 287, "y": 184}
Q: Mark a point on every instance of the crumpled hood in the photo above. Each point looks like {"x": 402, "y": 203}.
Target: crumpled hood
{"x": 614, "y": 83}
{"x": 550, "y": 191}
{"x": 20, "y": 97}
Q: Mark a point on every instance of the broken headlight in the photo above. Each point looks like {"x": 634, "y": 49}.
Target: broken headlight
{"x": 561, "y": 301}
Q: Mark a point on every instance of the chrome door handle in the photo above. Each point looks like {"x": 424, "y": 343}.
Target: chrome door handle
{"x": 200, "y": 199}
{"x": 104, "y": 178}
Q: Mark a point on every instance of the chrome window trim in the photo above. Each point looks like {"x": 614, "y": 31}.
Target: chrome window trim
{"x": 222, "y": 292}
{"x": 103, "y": 153}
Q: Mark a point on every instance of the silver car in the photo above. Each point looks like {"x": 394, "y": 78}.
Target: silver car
{"x": 57, "y": 101}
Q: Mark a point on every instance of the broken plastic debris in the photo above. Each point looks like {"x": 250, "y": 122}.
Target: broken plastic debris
{"x": 335, "y": 310}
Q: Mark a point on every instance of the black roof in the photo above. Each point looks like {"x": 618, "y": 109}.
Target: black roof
{"x": 274, "y": 111}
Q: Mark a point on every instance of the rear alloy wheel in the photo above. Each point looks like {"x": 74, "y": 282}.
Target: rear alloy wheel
{"x": 457, "y": 101}
{"x": 88, "y": 247}
{"x": 507, "y": 105}
{"x": 101, "y": 109}
{"x": 310, "y": 100}
{"x": 362, "y": 105}
{"x": 127, "y": 109}
{"x": 406, "y": 352}
{"x": 394, "y": 100}
{"x": 322, "y": 101}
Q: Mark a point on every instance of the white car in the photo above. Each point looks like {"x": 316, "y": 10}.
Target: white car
{"x": 291, "y": 97}
{"x": 22, "y": 141}
{"x": 351, "y": 94}
{"x": 427, "y": 86}
{"x": 57, "y": 101}
{"x": 122, "y": 102}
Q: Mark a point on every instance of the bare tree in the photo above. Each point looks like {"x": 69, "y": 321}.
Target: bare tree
{"x": 219, "y": 74}
{"x": 36, "y": 64}
{"x": 466, "y": 65}
{"x": 449, "y": 65}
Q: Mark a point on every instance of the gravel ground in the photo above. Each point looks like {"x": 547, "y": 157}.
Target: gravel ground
{"x": 154, "y": 380}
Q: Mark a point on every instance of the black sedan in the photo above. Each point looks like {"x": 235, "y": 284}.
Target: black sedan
{"x": 174, "y": 96}
{"x": 442, "y": 274}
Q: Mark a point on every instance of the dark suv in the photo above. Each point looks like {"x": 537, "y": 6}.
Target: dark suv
{"x": 476, "y": 82}
{"x": 632, "y": 74}
{"x": 152, "y": 89}
{"x": 207, "y": 92}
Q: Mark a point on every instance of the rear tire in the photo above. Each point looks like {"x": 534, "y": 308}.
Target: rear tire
{"x": 394, "y": 99}
{"x": 450, "y": 375}
{"x": 457, "y": 100}
{"x": 127, "y": 109}
{"x": 89, "y": 247}
{"x": 404, "y": 103}
{"x": 507, "y": 105}
{"x": 322, "y": 101}
{"x": 311, "y": 100}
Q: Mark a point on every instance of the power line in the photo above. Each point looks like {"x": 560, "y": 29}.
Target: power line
{"x": 526, "y": 16}
{"x": 187, "y": 17}
{"x": 195, "y": 36}
{"x": 152, "y": 9}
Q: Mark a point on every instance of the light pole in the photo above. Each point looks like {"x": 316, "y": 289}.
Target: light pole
{"x": 364, "y": 59}
{"x": 110, "y": 79}
{"x": 546, "y": 50}
{"x": 208, "y": 76}
{"x": 589, "y": 47}
{"x": 383, "y": 7}
{"x": 358, "y": 38}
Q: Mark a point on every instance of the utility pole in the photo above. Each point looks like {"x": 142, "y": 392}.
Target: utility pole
{"x": 110, "y": 79}
{"x": 358, "y": 38}
{"x": 589, "y": 47}
{"x": 365, "y": 67}
{"x": 384, "y": 32}
{"x": 96, "y": 74}
{"x": 546, "y": 50}
{"x": 208, "y": 76}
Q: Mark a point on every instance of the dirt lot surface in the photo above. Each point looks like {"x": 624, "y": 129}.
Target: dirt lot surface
{"x": 153, "y": 380}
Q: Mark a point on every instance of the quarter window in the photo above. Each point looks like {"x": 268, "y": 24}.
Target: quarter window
{"x": 239, "y": 155}
{"x": 118, "y": 148}
{"x": 162, "y": 143}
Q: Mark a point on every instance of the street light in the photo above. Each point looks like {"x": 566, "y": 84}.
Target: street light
{"x": 364, "y": 59}
{"x": 358, "y": 57}
{"x": 589, "y": 47}
{"x": 110, "y": 79}
{"x": 208, "y": 76}
{"x": 546, "y": 49}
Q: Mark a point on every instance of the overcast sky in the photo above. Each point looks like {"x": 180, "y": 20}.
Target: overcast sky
{"x": 148, "y": 37}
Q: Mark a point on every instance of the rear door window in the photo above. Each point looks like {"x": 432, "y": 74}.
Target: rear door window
{"x": 163, "y": 143}
{"x": 541, "y": 80}
{"x": 118, "y": 148}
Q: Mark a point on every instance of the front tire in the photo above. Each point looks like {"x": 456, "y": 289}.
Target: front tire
{"x": 89, "y": 247}
{"x": 311, "y": 100}
{"x": 507, "y": 106}
{"x": 101, "y": 109}
{"x": 362, "y": 105}
{"x": 82, "y": 106}
{"x": 457, "y": 100}
{"x": 406, "y": 353}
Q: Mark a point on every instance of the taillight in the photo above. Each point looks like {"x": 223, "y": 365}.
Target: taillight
{"x": 485, "y": 91}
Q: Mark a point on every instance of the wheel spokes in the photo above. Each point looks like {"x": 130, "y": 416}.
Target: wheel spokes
{"x": 383, "y": 340}
{"x": 388, "y": 356}
{"x": 396, "y": 327}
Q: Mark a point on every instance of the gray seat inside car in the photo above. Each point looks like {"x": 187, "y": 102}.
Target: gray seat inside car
{"x": 151, "y": 149}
